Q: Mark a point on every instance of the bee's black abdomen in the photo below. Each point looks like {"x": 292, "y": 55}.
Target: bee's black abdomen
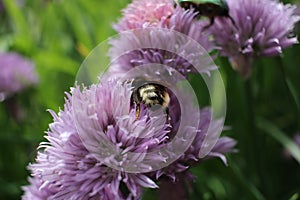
{"x": 151, "y": 95}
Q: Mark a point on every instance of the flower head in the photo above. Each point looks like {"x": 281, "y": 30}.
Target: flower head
{"x": 36, "y": 190}
{"x": 75, "y": 160}
{"x": 97, "y": 148}
{"x": 263, "y": 29}
{"x": 164, "y": 47}
{"x": 17, "y": 73}
{"x": 151, "y": 35}
{"x": 206, "y": 144}
{"x": 144, "y": 13}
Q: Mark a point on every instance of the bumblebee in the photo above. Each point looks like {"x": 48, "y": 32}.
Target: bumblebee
{"x": 152, "y": 95}
{"x": 208, "y": 8}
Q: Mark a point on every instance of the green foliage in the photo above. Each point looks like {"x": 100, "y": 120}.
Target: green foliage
{"x": 57, "y": 36}
{"x": 263, "y": 112}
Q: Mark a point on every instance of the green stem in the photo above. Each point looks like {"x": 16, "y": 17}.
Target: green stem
{"x": 280, "y": 136}
{"x": 293, "y": 95}
{"x": 257, "y": 141}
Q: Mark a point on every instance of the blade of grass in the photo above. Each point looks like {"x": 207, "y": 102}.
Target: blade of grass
{"x": 248, "y": 186}
{"x": 18, "y": 18}
{"x": 294, "y": 197}
{"x": 280, "y": 136}
{"x": 56, "y": 62}
{"x": 22, "y": 29}
{"x": 293, "y": 93}
{"x": 79, "y": 23}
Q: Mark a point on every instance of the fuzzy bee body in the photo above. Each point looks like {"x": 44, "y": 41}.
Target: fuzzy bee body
{"x": 208, "y": 8}
{"x": 152, "y": 95}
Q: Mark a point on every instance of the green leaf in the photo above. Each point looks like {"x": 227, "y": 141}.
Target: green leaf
{"x": 79, "y": 23}
{"x": 21, "y": 27}
{"x": 57, "y": 62}
{"x": 247, "y": 185}
{"x": 294, "y": 93}
{"x": 294, "y": 197}
{"x": 273, "y": 131}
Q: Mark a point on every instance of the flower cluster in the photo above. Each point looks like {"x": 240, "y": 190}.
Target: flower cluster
{"x": 263, "y": 28}
{"x": 17, "y": 73}
{"x": 78, "y": 163}
{"x": 165, "y": 47}
{"x": 103, "y": 145}
{"x": 137, "y": 47}
{"x": 69, "y": 168}
{"x": 143, "y": 13}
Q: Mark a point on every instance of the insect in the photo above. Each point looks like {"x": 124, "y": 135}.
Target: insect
{"x": 152, "y": 95}
{"x": 208, "y": 8}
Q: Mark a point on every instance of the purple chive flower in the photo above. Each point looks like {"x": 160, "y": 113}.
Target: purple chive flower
{"x": 36, "y": 190}
{"x": 175, "y": 177}
{"x": 136, "y": 47}
{"x": 162, "y": 14}
{"x": 264, "y": 29}
{"x": 73, "y": 170}
{"x": 96, "y": 137}
{"x": 167, "y": 47}
{"x": 17, "y": 73}
{"x": 208, "y": 133}
{"x": 144, "y": 13}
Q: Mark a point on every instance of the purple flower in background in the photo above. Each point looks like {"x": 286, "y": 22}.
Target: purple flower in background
{"x": 162, "y": 46}
{"x": 145, "y": 13}
{"x": 180, "y": 52}
{"x": 264, "y": 29}
{"x": 17, "y": 73}
{"x": 162, "y": 14}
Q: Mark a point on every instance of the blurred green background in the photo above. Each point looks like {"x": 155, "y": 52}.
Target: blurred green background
{"x": 263, "y": 112}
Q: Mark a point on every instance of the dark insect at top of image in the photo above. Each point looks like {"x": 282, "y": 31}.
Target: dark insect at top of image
{"x": 151, "y": 95}
{"x": 207, "y": 8}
